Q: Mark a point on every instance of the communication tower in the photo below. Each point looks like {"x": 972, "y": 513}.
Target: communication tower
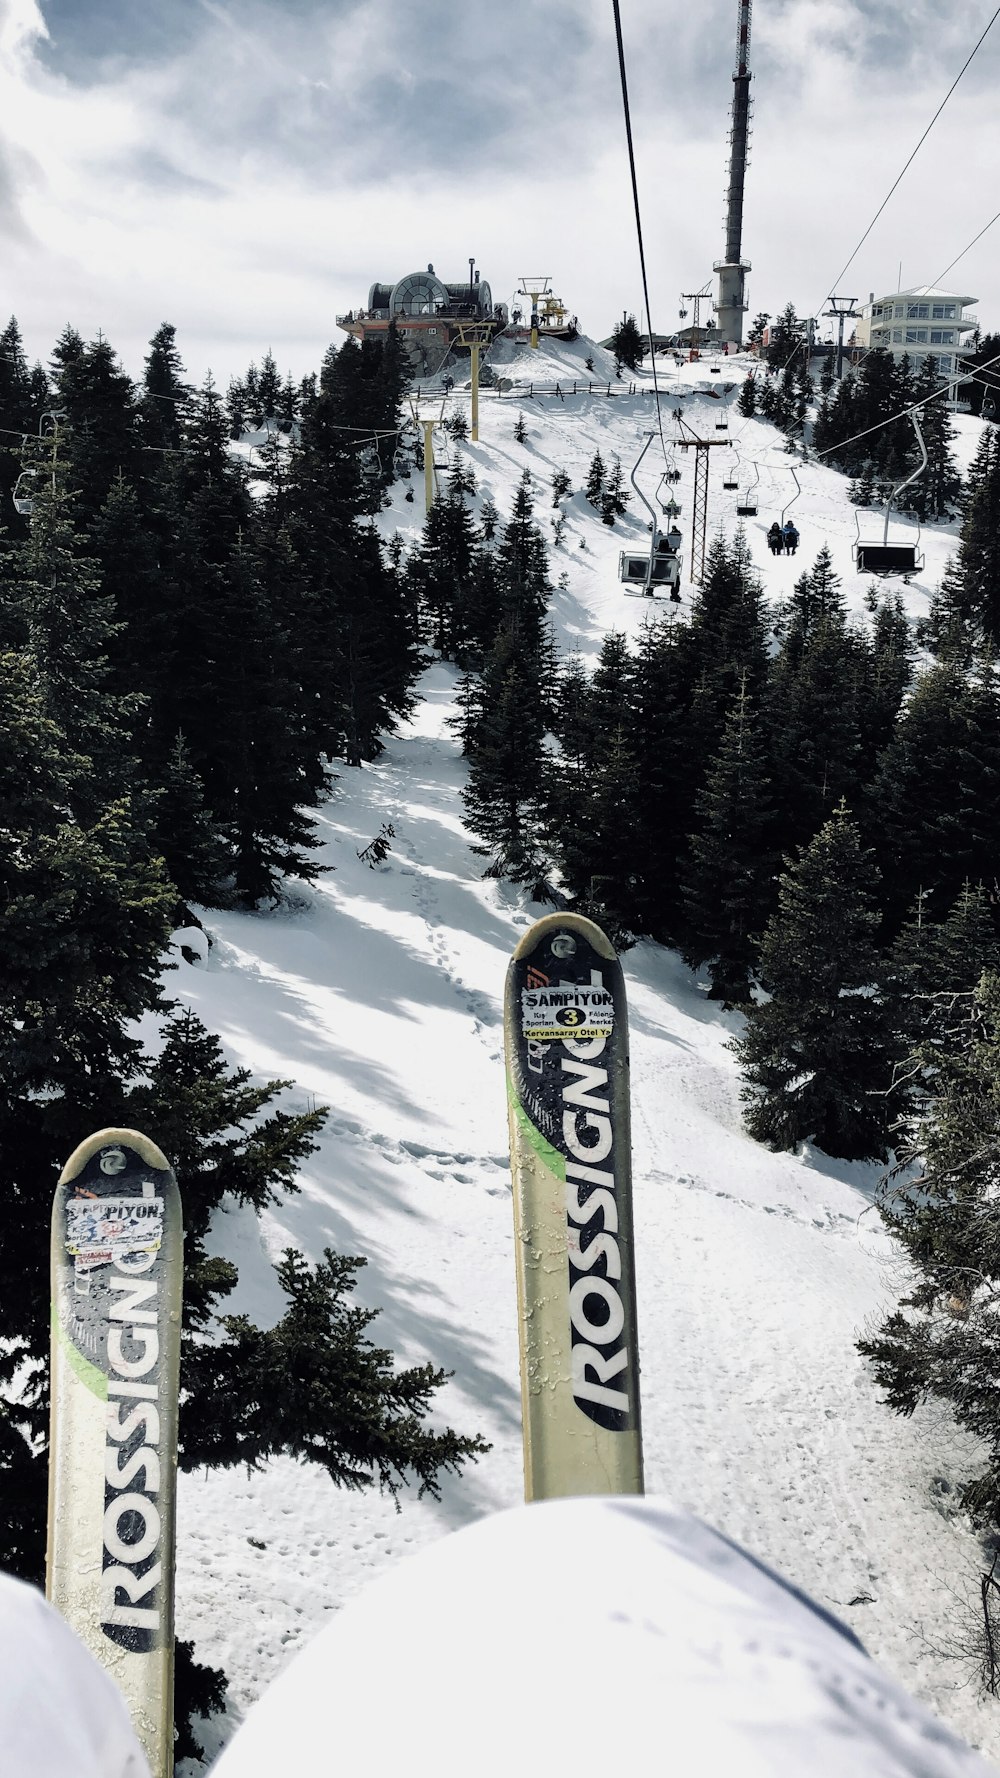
{"x": 731, "y": 303}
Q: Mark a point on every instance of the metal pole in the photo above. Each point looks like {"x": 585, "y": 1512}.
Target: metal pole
{"x": 474, "y": 350}
{"x": 428, "y": 426}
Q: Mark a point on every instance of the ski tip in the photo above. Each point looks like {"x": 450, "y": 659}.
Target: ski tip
{"x": 149, "y": 1154}
{"x": 576, "y": 924}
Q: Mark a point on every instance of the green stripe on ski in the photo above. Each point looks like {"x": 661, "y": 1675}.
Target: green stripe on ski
{"x": 89, "y": 1375}
{"x": 551, "y": 1157}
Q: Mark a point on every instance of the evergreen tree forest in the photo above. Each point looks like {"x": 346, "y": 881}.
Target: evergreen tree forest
{"x": 185, "y": 658}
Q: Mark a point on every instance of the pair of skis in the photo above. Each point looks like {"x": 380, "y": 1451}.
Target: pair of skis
{"x": 117, "y": 1271}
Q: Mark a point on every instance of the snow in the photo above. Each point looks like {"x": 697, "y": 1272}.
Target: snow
{"x": 622, "y": 1621}
{"x": 378, "y": 993}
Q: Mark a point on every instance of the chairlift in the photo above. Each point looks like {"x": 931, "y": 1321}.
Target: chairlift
{"x": 746, "y": 499}
{"x": 661, "y": 567}
{"x": 24, "y": 497}
{"x": 731, "y": 476}
{"x": 874, "y": 557}
{"x": 791, "y": 502}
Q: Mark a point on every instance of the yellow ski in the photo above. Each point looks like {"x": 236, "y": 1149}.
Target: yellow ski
{"x": 566, "y": 1036}
{"x": 117, "y": 1274}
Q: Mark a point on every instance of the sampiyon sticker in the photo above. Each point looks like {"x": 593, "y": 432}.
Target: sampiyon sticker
{"x": 573, "y": 1009}
{"x": 97, "y": 1229}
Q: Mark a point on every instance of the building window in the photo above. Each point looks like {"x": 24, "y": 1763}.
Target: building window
{"x": 944, "y": 364}
{"x": 915, "y": 335}
{"x": 918, "y": 311}
{"x": 944, "y": 312}
{"x": 897, "y": 335}
{"x": 942, "y": 336}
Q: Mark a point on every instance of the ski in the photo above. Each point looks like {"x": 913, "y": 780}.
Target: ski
{"x": 566, "y": 1040}
{"x": 117, "y": 1273}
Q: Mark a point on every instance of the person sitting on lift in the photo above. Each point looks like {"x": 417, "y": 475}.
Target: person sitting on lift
{"x": 790, "y": 537}
{"x": 775, "y": 539}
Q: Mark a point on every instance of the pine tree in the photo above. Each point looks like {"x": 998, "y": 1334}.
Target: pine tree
{"x": 269, "y": 388}
{"x": 503, "y": 795}
{"x": 561, "y": 485}
{"x": 932, "y": 807}
{"x": 520, "y": 430}
{"x": 746, "y": 401}
{"x": 817, "y": 1055}
{"x": 522, "y": 571}
{"x": 186, "y": 834}
{"x": 727, "y": 880}
{"x": 100, "y": 434}
{"x": 165, "y": 395}
{"x": 672, "y": 768}
{"x": 594, "y": 488}
{"x": 940, "y": 1344}
{"x": 979, "y": 550}
{"x": 814, "y": 703}
{"x": 725, "y": 640}
{"x": 627, "y": 343}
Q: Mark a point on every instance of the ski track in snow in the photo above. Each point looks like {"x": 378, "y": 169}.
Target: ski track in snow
{"x": 379, "y": 994}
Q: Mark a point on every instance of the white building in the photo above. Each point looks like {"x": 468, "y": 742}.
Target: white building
{"x": 923, "y": 323}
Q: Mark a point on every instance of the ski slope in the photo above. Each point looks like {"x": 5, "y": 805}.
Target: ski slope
{"x": 378, "y": 992}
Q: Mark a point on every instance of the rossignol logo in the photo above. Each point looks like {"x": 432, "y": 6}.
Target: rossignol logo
{"x": 133, "y": 1568}
{"x": 600, "y": 1355}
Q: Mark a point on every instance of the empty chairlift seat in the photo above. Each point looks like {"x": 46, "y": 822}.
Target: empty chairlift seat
{"x": 887, "y": 558}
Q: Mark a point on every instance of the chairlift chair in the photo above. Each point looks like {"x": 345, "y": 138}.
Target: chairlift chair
{"x": 24, "y": 499}
{"x": 746, "y": 499}
{"x": 874, "y": 556}
{"x": 791, "y": 502}
{"x": 661, "y": 567}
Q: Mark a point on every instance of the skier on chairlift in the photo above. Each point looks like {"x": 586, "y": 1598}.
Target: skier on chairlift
{"x": 790, "y": 537}
{"x": 775, "y": 541}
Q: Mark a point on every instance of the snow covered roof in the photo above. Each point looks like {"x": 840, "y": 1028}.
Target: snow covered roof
{"x": 926, "y": 290}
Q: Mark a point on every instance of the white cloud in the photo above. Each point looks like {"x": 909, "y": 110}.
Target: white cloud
{"x": 249, "y": 182}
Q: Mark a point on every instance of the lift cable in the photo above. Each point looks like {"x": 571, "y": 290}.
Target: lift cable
{"x": 638, "y": 222}
{"x": 898, "y": 180}
{"x": 968, "y": 249}
{"x": 912, "y": 409}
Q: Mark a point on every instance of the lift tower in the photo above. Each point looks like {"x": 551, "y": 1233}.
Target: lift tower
{"x": 731, "y": 304}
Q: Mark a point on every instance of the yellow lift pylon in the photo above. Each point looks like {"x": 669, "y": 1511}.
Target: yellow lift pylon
{"x": 427, "y": 423}
{"x": 534, "y": 288}
{"x": 474, "y": 334}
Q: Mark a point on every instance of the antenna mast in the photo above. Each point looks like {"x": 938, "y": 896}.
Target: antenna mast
{"x": 731, "y": 303}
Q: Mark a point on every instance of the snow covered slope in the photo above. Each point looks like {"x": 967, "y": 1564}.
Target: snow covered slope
{"x": 379, "y": 994}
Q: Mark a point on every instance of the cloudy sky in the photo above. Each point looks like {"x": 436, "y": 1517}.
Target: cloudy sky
{"x": 246, "y": 168}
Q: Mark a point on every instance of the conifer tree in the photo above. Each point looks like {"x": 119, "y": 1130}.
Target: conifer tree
{"x": 746, "y": 401}
{"x": 979, "y": 550}
{"x": 725, "y": 640}
{"x": 727, "y": 879}
{"x": 672, "y": 767}
{"x": 817, "y": 1056}
{"x": 269, "y": 388}
{"x": 934, "y": 495}
{"x": 594, "y": 488}
{"x": 627, "y": 343}
{"x": 522, "y": 570}
{"x": 164, "y": 397}
{"x": 932, "y": 807}
{"x": 503, "y": 795}
{"x": 814, "y": 705}
{"x": 99, "y": 431}
{"x": 940, "y": 1343}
